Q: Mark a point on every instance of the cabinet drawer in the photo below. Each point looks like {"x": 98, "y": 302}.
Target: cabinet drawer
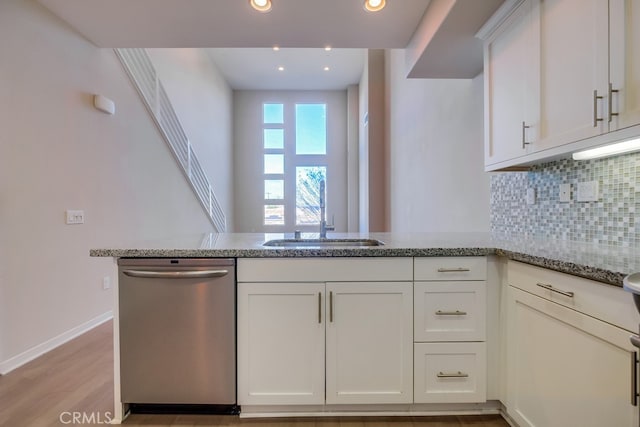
{"x": 449, "y": 311}
{"x": 602, "y": 301}
{"x": 450, "y": 268}
{"x": 311, "y": 269}
{"x": 450, "y": 372}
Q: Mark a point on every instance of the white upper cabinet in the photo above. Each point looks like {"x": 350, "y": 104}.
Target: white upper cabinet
{"x": 560, "y": 76}
{"x": 624, "y": 71}
{"x": 574, "y": 70}
{"x": 512, "y": 112}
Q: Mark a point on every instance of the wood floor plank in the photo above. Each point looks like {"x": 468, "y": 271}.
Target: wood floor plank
{"x": 77, "y": 377}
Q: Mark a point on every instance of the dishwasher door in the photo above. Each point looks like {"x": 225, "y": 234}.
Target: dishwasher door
{"x": 177, "y": 331}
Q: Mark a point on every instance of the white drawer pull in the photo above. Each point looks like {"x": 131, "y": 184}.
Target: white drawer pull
{"x": 452, "y": 374}
{"x": 558, "y": 291}
{"x": 451, "y": 313}
{"x": 453, "y": 270}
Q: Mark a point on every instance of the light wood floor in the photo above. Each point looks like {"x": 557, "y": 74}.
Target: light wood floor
{"x": 78, "y": 377}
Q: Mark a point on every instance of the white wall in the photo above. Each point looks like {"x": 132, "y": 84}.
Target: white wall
{"x": 202, "y": 100}
{"x": 57, "y": 152}
{"x": 435, "y": 138}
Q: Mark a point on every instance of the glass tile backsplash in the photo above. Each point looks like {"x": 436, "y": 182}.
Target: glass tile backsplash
{"x": 610, "y": 220}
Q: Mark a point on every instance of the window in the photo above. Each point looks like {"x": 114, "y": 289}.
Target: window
{"x": 293, "y": 166}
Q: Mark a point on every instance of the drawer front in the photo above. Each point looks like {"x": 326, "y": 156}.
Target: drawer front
{"x": 450, "y": 373}
{"x": 600, "y": 300}
{"x": 450, "y": 268}
{"x": 310, "y": 269}
{"x": 449, "y": 311}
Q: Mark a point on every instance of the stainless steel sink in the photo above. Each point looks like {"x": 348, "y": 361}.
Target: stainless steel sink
{"x": 301, "y": 243}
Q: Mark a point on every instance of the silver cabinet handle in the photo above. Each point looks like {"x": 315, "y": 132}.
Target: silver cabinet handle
{"x": 552, "y": 289}
{"x": 524, "y": 138}
{"x": 319, "y": 307}
{"x": 458, "y": 374}
{"x": 330, "y": 306}
{"x": 611, "y": 92}
{"x": 451, "y": 313}
{"x": 596, "y": 119}
{"x": 452, "y": 270}
{"x": 194, "y": 274}
{"x": 634, "y": 376}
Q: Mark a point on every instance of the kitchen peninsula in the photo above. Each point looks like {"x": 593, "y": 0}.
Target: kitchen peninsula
{"x": 438, "y": 316}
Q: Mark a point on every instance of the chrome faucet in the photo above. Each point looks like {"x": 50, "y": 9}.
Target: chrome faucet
{"x": 323, "y": 215}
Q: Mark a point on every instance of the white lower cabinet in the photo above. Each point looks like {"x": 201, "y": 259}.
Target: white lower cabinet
{"x": 451, "y": 372}
{"x": 281, "y": 343}
{"x": 565, "y": 368}
{"x": 369, "y": 343}
{"x": 283, "y": 328}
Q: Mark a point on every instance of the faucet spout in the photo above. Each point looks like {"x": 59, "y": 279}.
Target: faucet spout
{"x": 323, "y": 214}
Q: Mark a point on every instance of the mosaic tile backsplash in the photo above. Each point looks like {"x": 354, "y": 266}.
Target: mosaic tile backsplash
{"x": 611, "y": 220}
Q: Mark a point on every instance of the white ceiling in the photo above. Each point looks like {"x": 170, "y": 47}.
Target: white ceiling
{"x": 438, "y": 35}
{"x": 233, "y": 23}
{"x": 252, "y": 69}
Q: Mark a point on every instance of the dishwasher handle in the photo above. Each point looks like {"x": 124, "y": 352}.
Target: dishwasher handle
{"x": 193, "y": 274}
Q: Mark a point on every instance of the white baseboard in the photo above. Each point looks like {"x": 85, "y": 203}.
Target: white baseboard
{"x": 9, "y": 365}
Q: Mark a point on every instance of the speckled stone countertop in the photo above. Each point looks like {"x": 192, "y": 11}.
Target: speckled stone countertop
{"x": 608, "y": 264}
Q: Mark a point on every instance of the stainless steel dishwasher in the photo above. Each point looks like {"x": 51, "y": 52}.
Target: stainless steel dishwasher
{"x": 177, "y": 332}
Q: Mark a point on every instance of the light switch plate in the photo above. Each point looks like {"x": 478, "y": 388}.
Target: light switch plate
{"x": 565, "y": 193}
{"x": 531, "y": 196}
{"x": 75, "y": 217}
{"x": 588, "y": 191}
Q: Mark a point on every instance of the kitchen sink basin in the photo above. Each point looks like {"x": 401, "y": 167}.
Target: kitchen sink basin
{"x": 330, "y": 243}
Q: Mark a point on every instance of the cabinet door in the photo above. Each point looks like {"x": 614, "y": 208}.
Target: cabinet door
{"x": 449, "y": 311}
{"x": 511, "y": 85}
{"x": 281, "y": 331}
{"x": 566, "y": 368}
{"x": 452, "y": 372}
{"x": 625, "y": 62}
{"x": 369, "y": 342}
{"x": 574, "y": 63}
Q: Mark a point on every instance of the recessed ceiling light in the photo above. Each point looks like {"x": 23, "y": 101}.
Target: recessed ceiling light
{"x": 327, "y": 48}
{"x": 261, "y": 5}
{"x": 276, "y": 48}
{"x": 374, "y": 5}
{"x": 281, "y": 68}
{"x": 326, "y": 68}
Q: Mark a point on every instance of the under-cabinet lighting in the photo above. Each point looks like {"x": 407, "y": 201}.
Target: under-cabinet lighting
{"x": 374, "y": 5}
{"x": 623, "y": 147}
{"x": 261, "y": 5}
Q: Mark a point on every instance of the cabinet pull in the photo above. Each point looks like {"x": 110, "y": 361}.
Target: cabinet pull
{"x": 524, "y": 138}
{"x": 451, "y": 313}
{"x": 319, "y": 307}
{"x": 596, "y": 119}
{"x": 330, "y": 306}
{"x": 458, "y": 374}
{"x": 611, "y": 92}
{"x": 452, "y": 270}
{"x": 634, "y": 378}
{"x": 558, "y": 291}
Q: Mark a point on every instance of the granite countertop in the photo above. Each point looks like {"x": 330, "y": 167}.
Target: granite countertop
{"x": 608, "y": 264}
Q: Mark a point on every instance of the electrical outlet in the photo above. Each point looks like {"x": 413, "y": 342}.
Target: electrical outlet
{"x": 565, "y": 193}
{"x": 531, "y": 196}
{"x": 588, "y": 191}
{"x": 75, "y": 217}
{"x": 106, "y": 283}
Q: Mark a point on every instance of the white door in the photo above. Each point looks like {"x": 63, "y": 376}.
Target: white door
{"x": 281, "y": 330}
{"x": 369, "y": 342}
{"x": 511, "y": 77}
{"x": 566, "y": 368}
{"x": 624, "y": 45}
{"x": 574, "y": 64}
